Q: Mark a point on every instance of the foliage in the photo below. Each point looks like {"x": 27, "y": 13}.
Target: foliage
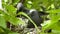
{"x": 50, "y": 6}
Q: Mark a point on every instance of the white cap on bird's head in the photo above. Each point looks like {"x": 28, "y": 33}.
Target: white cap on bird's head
{"x": 32, "y": 10}
{"x": 19, "y": 5}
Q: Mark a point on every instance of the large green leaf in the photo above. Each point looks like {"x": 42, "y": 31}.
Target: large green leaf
{"x": 11, "y": 10}
{"x": 55, "y": 17}
{"x": 2, "y": 22}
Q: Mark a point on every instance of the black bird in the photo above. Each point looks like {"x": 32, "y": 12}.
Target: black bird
{"x": 33, "y": 14}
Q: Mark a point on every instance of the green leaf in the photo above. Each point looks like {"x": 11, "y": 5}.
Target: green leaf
{"x": 14, "y": 2}
{"x": 11, "y": 10}
{"x": 55, "y": 31}
{"x": 13, "y": 20}
{"x": 2, "y": 22}
{"x": 13, "y": 33}
{"x": 5, "y": 31}
{"x": 1, "y": 30}
{"x": 54, "y": 11}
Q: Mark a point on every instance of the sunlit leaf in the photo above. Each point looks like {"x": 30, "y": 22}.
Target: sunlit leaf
{"x": 10, "y": 10}
{"x": 2, "y": 22}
